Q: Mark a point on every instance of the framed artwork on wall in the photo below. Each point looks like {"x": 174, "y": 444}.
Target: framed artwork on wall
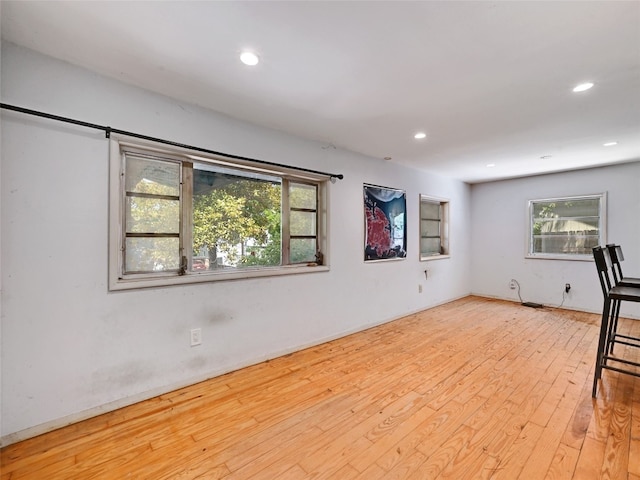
{"x": 385, "y": 220}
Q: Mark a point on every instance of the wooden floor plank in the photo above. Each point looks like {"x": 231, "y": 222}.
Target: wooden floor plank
{"x": 563, "y": 464}
{"x": 579, "y": 423}
{"x": 435, "y": 464}
{"x": 590, "y": 460}
{"x": 509, "y": 464}
{"x": 543, "y": 453}
{"x": 476, "y": 388}
{"x": 616, "y": 454}
{"x": 429, "y": 435}
{"x": 634, "y": 447}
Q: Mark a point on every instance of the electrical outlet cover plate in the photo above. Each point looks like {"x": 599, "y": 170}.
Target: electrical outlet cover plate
{"x": 196, "y": 337}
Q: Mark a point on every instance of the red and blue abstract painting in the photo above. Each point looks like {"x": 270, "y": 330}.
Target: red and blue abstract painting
{"x": 385, "y": 217}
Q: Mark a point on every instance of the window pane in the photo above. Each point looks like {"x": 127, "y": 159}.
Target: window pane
{"x": 302, "y": 196}
{"x": 303, "y": 250}
{"x": 152, "y": 176}
{"x": 430, "y": 246}
{"x": 429, "y": 210}
{"x": 430, "y": 228}
{"x": 236, "y": 217}
{"x": 567, "y": 208}
{"x": 302, "y": 223}
{"x": 152, "y": 215}
{"x": 151, "y": 254}
{"x": 577, "y": 224}
{"x": 565, "y": 244}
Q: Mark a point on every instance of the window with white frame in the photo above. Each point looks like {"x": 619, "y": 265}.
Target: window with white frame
{"x": 567, "y": 227}
{"x": 434, "y": 228}
{"x": 179, "y": 217}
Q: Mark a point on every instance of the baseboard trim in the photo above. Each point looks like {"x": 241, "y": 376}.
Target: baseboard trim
{"x": 561, "y": 307}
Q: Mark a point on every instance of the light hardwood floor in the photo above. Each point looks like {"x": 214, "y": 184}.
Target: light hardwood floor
{"x": 475, "y": 388}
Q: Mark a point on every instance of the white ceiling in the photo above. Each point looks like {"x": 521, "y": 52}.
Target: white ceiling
{"x": 489, "y": 82}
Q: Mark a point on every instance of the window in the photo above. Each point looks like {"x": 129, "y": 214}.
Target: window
{"x": 566, "y": 228}
{"x": 434, "y": 228}
{"x": 177, "y": 217}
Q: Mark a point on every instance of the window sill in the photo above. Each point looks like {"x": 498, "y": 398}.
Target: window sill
{"x": 571, "y": 258}
{"x": 166, "y": 280}
{"x": 427, "y": 258}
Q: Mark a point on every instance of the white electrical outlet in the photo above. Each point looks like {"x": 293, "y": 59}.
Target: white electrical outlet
{"x": 512, "y": 284}
{"x": 196, "y": 336}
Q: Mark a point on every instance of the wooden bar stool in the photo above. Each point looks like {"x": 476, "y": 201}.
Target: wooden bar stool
{"x": 613, "y": 297}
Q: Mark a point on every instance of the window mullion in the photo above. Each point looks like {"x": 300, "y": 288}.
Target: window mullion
{"x": 319, "y": 252}
{"x": 186, "y": 215}
{"x": 285, "y": 224}
{"x": 122, "y": 216}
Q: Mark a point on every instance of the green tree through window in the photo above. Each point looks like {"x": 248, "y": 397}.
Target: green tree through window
{"x": 237, "y": 217}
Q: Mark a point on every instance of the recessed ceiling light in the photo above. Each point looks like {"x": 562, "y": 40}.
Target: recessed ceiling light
{"x": 387, "y": 158}
{"x": 583, "y": 86}
{"x": 491, "y": 165}
{"x": 609, "y": 144}
{"x": 249, "y": 58}
{"x": 420, "y": 135}
{"x": 546, "y": 157}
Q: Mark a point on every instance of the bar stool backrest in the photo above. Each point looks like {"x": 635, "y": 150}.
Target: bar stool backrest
{"x": 616, "y": 256}
{"x": 600, "y": 256}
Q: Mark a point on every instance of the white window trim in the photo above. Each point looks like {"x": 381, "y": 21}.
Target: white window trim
{"x": 162, "y": 279}
{"x": 602, "y": 227}
{"x": 445, "y": 226}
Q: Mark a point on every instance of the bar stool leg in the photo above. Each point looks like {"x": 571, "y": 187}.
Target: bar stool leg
{"x": 613, "y": 328}
{"x": 602, "y": 343}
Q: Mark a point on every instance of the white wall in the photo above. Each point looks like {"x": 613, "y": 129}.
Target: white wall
{"x": 70, "y": 348}
{"x": 1, "y": 294}
{"x": 499, "y": 233}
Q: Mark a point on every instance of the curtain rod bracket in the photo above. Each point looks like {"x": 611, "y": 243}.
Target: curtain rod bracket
{"x": 107, "y": 132}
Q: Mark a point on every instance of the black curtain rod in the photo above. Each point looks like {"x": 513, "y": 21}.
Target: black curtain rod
{"x": 108, "y": 131}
